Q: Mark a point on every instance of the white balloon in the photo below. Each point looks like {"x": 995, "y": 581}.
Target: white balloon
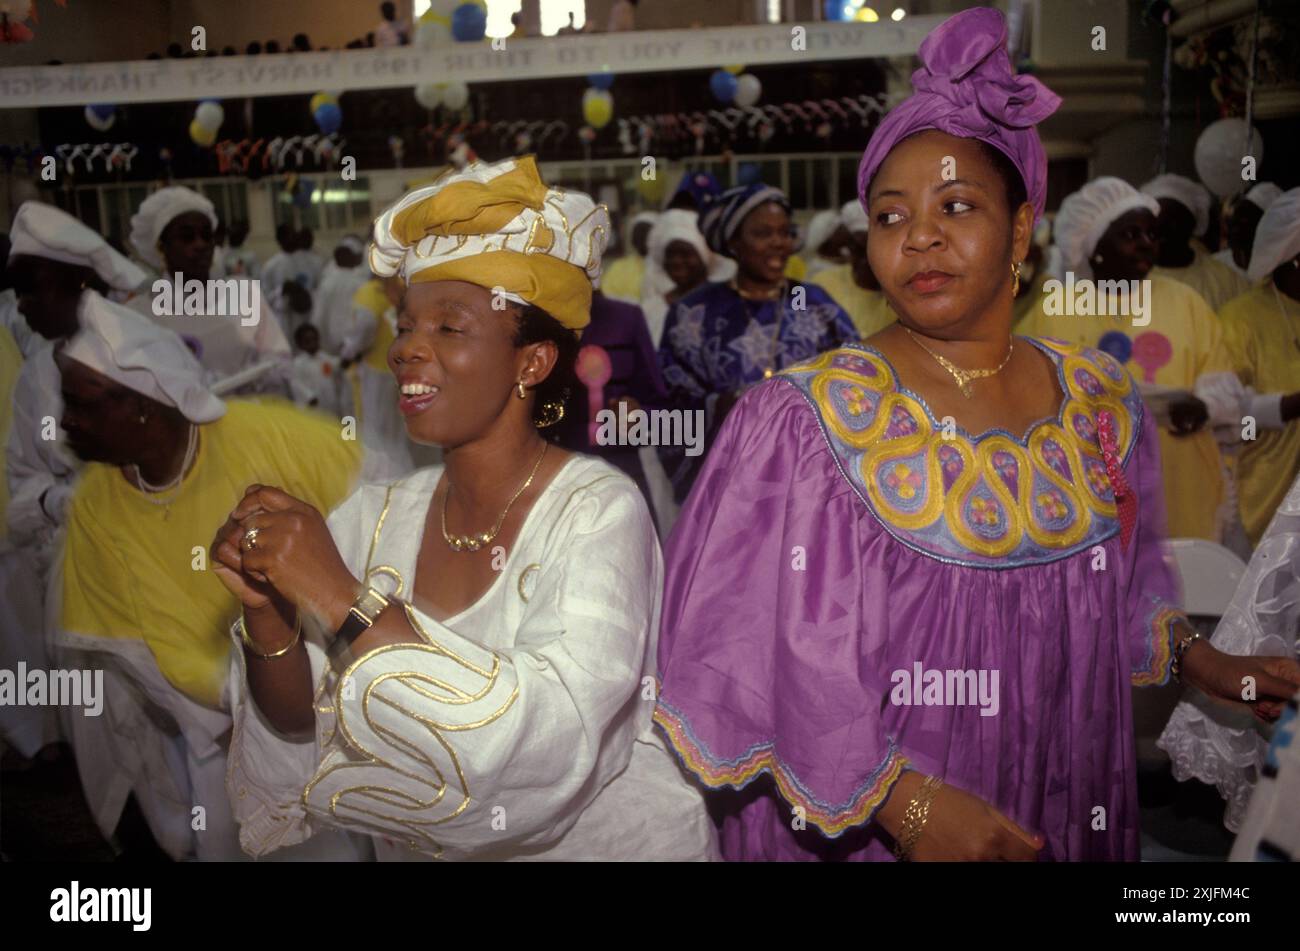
{"x": 430, "y": 33}
{"x": 429, "y": 95}
{"x": 98, "y": 124}
{"x": 748, "y": 90}
{"x": 1219, "y": 152}
{"x": 455, "y": 95}
{"x": 210, "y": 115}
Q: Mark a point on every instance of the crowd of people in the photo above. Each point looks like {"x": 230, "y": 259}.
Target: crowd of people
{"x": 364, "y": 581}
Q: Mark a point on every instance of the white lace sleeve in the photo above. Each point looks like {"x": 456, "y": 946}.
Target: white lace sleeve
{"x": 1207, "y": 741}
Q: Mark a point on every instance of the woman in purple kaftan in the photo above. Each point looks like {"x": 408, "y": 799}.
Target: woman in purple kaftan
{"x": 863, "y": 597}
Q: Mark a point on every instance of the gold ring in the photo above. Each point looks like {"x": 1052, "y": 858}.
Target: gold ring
{"x": 250, "y": 539}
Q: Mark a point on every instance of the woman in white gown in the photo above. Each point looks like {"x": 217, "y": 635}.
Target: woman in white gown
{"x": 461, "y": 664}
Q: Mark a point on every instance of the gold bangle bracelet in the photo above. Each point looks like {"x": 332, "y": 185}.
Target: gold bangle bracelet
{"x": 252, "y": 648}
{"x": 915, "y": 817}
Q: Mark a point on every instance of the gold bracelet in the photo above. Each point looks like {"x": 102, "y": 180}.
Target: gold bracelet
{"x": 915, "y": 817}
{"x": 252, "y": 648}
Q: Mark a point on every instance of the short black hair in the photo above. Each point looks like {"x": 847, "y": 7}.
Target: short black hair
{"x": 537, "y": 326}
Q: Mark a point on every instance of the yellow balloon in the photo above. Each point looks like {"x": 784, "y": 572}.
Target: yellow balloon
{"x": 652, "y": 189}
{"x": 202, "y": 136}
{"x": 320, "y": 99}
{"x": 734, "y": 70}
{"x": 598, "y": 110}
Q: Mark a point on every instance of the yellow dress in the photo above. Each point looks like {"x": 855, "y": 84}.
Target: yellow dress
{"x": 869, "y": 310}
{"x": 624, "y": 277}
{"x": 136, "y": 570}
{"x": 11, "y": 362}
{"x": 1262, "y": 331}
{"x": 1212, "y": 279}
{"x": 796, "y": 268}
{"x": 1183, "y": 341}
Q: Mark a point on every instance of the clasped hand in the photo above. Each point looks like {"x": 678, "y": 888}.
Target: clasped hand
{"x": 291, "y": 560}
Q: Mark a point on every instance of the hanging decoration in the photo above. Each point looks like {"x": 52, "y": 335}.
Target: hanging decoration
{"x": 597, "y": 107}
{"x": 748, "y": 90}
{"x": 723, "y": 86}
{"x": 1218, "y": 155}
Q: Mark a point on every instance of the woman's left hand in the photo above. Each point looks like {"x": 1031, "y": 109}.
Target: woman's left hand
{"x": 295, "y": 553}
{"x": 1272, "y": 680}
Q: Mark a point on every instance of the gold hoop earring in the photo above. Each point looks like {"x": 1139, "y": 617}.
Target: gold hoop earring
{"x": 519, "y": 388}
{"x": 1015, "y": 279}
{"x": 552, "y": 413}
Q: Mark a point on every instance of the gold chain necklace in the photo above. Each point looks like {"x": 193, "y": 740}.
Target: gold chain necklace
{"x": 964, "y": 378}
{"x": 472, "y": 542}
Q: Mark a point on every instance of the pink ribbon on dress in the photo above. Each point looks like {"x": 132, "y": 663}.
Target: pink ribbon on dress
{"x": 1125, "y": 499}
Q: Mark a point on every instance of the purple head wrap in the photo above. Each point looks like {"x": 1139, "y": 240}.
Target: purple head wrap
{"x": 966, "y": 87}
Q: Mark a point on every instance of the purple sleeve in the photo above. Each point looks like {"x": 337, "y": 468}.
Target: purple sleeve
{"x": 1153, "y": 593}
{"x": 764, "y": 621}
{"x": 648, "y": 382}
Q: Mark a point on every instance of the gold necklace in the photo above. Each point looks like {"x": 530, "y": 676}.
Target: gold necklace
{"x": 964, "y": 378}
{"x": 472, "y": 542}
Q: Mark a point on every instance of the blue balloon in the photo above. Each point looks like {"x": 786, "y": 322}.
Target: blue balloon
{"x": 103, "y": 111}
{"x": 748, "y": 173}
{"x": 1117, "y": 344}
{"x": 723, "y": 85}
{"x": 468, "y": 23}
{"x": 601, "y": 80}
{"x": 835, "y": 10}
{"x": 329, "y": 117}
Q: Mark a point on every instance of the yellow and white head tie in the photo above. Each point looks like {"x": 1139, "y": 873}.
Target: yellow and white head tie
{"x": 498, "y": 226}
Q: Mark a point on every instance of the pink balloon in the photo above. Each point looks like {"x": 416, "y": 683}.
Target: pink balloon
{"x": 594, "y": 369}
{"x": 1151, "y": 351}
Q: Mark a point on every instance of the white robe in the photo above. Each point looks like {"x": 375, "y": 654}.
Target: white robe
{"x": 332, "y": 308}
{"x": 521, "y": 728}
{"x": 227, "y": 345}
{"x": 36, "y": 466}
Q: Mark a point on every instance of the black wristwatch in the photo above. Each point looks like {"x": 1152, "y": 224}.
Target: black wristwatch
{"x": 365, "y": 609}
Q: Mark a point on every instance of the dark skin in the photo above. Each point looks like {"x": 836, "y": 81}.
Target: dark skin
{"x": 449, "y": 336}
{"x": 1176, "y": 224}
{"x": 102, "y": 420}
{"x": 837, "y": 245}
{"x": 683, "y": 265}
{"x": 922, "y": 223}
{"x": 1127, "y": 251}
{"x": 640, "y": 235}
{"x": 187, "y": 244}
{"x": 762, "y": 246}
{"x": 48, "y": 293}
{"x": 1241, "y": 231}
{"x": 1287, "y": 280}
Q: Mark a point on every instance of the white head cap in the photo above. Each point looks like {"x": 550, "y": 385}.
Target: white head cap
{"x": 1263, "y": 195}
{"x": 132, "y": 350}
{"x": 1277, "y": 236}
{"x": 44, "y": 231}
{"x": 1192, "y": 195}
{"x": 1085, "y": 216}
{"x": 854, "y": 217}
{"x": 158, "y": 211}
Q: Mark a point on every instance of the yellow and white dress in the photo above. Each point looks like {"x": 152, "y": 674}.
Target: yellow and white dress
{"x": 518, "y": 729}
{"x": 136, "y": 598}
{"x": 1262, "y": 334}
{"x": 1183, "y": 342}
